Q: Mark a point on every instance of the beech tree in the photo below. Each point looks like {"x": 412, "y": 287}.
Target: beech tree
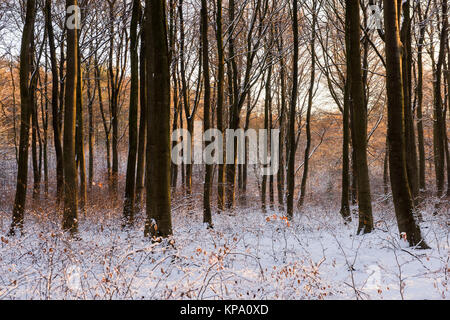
{"x": 26, "y": 109}
{"x": 70, "y": 217}
{"x": 159, "y": 221}
{"x": 359, "y": 117}
{"x": 402, "y": 196}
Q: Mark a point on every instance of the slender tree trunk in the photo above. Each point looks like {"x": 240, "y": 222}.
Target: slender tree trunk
{"x": 44, "y": 119}
{"x": 140, "y": 169}
{"x": 420, "y": 132}
{"x": 175, "y": 97}
{"x": 291, "y": 133}
{"x": 386, "y": 171}
{"x": 106, "y": 128}
{"x": 34, "y": 151}
{"x": 190, "y": 114}
{"x": 310, "y": 103}
{"x": 79, "y": 140}
{"x": 359, "y": 117}
{"x": 70, "y": 218}
{"x": 91, "y": 137}
{"x": 345, "y": 196}
{"x": 439, "y": 153}
{"x": 411, "y": 150}
{"x": 114, "y": 106}
{"x": 267, "y": 102}
{"x": 281, "y": 176}
{"x": 207, "y": 217}
{"x": 234, "y": 118}
{"x": 128, "y": 208}
{"x": 220, "y": 102}
{"x": 26, "y": 108}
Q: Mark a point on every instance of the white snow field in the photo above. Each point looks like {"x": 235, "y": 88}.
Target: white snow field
{"x": 250, "y": 255}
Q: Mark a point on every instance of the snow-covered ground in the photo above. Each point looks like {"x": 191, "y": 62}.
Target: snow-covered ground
{"x": 250, "y": 255}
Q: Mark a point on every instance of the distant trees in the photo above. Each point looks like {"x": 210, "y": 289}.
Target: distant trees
{"x": 145, "y": 69}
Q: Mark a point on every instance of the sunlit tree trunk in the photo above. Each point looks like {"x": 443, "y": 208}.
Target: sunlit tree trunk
{"x": 359, "y": 117}
{"x": 420, "y": 132}
{"x": 140, "y": 168}
{"x": 403, "y": 201}
{"x": 26, "y": 108}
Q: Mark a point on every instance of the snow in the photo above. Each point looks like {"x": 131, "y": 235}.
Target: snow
{"x": 248, "y": 255}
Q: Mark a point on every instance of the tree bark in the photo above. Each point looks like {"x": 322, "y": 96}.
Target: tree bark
{"x": 308, "y": 112}
{"x": 359, "y": 118}
{"x": 26, "y": 108}
{"x": 207, "y": 217}
{"x": 55, "y": 106}
{"x": 140, "y": 168}
{"x": 220, "y": 102}
{"x": 159, "y": 221}
{"x": 70, "y": 217}
{"x": 403, "y": 201}
{"x": 292, "y": 111}
{"x": 439, "y": 153}
{"x": 128, "y": 207}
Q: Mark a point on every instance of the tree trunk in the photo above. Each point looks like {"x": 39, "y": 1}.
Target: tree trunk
{"x": 79, "y": 140}
{"x": 220, "y": 102}
{"x": 128, "y": 208}
{"x": 70, "y": 218}
{"x": 267, "y": 103}
{"x": 411, "y": 150}
{"x": 403, "y": 201}
{"x": 26, "y": 108}
{"x": 345, "y": 196}
{"x": 281, "y": 176}
{"x": 56, "y": 114}
{"x": 359, "y": 117}
{"x": 438, "y": 131}
{"x": 140, "y": 168}
{"x": 308, "y": 112}
{"x": 420, "y": 133}
{"x": 207, "y": 217}
{"x": 159, "y": 222}
{"x": 292, "y": 111}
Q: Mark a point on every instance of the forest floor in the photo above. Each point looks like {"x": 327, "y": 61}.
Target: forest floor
{"x": 249, "y": 255}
